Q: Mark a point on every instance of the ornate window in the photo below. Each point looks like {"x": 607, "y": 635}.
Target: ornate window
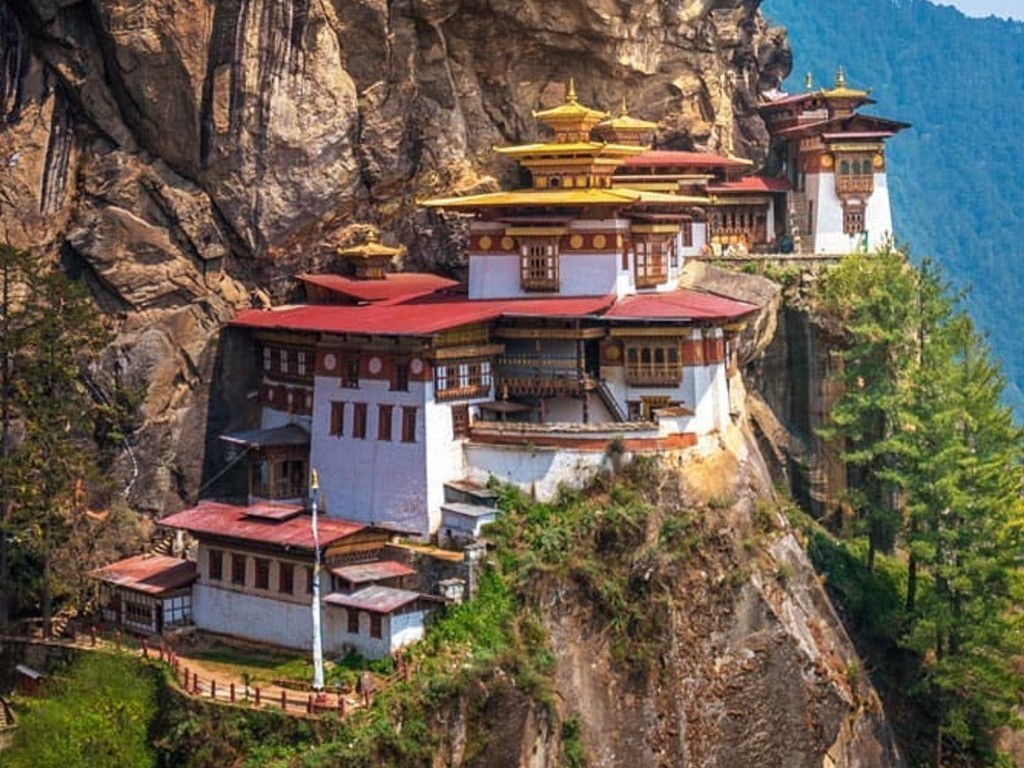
{"x": 460, "y": 421}
{"x": 853, "y": 218}
{"x": 653, "y": 363}
{"x": 539, "y": 265}
{"x": 856, "y": 176}
{"x": 651, "y": 262}
{"x": 287, "y": 363}
{"x": 376, "y": 629}
{"x": 460, "y": 380}
{"x": 350, "y": 372}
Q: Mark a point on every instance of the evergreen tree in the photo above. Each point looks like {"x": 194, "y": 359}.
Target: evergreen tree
{"x": 51, "y": 332}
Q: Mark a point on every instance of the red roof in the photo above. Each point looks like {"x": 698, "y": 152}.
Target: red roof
{"x": 398, "y": 285}
{"x": 360, "y": 573}
{"x": 152, "y": 574}
{"x": 252, "y": 524}
{"x": 375, "y": 599}
{"x": 682, "y": 304}
{"x": 660, "y": 158}
{"x": 415, "y": 318}
{"x": 751, "y": 184}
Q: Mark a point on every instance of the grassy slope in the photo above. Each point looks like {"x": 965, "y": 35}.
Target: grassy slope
{"x": 953, "y": 176}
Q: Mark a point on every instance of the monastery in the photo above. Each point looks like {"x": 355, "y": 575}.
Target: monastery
{"x": 407, "y": 392}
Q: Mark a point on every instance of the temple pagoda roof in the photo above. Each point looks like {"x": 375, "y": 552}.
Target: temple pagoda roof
{"x": 680, "y": 305}
{"x": 840, "y": 128}
{"x": 571, "y": 112}
{"x": 371, "y": 249}
{"x": 394, "y": 286}
{"x": 662, "y": 158}
{"x": 576, "y": 148}
{"x": 621, "y": 196}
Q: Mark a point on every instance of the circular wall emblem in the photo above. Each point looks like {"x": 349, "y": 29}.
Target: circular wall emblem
{"x": 612, "y": 353}
{"x": 878, "y": 161}
{"x": 576, "y": 242}
{"x": 330, "y": 361}
{"x": 600, "y": 241}
{"x": 375, "y": 365}
{"x": 416, "y": 366}
{"x": 486, "y": 243}
{"x": 827, "y": 161}
{"x": 507, "y": 243}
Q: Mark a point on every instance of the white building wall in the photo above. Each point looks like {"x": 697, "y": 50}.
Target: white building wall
{"x": 445, "y": 458}
{"x": 371, "y": 480}
{"x": 538, "y": 472}
{"x": 828, "y": 215}
{"x": 404, "y": 629}
{"x": 263, "y": 619}
{"x": 397, "y": 631}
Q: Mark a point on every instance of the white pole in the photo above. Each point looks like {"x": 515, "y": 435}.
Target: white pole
{"x": 318, "y": 649}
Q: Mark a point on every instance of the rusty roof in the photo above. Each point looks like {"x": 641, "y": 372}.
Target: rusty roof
{"x": 152, "y": 574}
{"x": 681, "y": 304}
{"x": 375, "y": 599}
{"x": 256, "y": 524}
{"x": 361, "y": 573}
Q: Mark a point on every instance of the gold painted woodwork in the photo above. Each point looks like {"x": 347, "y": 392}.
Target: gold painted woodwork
{"x": 549, "y": 333}
{"x": 466, "y": 352}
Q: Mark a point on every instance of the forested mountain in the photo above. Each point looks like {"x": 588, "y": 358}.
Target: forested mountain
{"x": 954, "y": 177}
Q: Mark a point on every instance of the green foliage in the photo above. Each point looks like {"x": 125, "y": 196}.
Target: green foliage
{"x": 99, "y": 715}
{"x": 935, "y": 464}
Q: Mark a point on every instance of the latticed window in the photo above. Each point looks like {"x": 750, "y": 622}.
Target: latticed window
{"x": 853, "y": 219}
{"x": 384, "y": 422}
{"x": 651, "y": 262}
{"x": 856, "y": 175}
{"x": 460, "y": 421}
{"x": 262, "y": 573}
{"x": 216, "y": 560}
{"x": 462, "y": 380}
{"x": 287, "y": 363}
{"x": 359, "y": 421}
{"x": 539, "y": 265}
{"x": 653, "y": 363}
{"x": 400, "y": 376}
{"x": 337, "y": 418}
{"x": 238, "y": 569}
{"x": 408, "y": 424}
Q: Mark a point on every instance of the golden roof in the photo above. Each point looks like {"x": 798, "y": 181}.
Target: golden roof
{"x": 840, "y": 91}
{"x": 570, "y": 116}
{"x": 581, "y": 148}
{"x": 370, "y": 249}
{"x": 563, "y": 197}
{"x": 625, "y": 121}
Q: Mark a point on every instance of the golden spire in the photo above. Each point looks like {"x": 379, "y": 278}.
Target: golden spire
{"x": 623, "y": 110}
{"x": 570, "y": 97}
{"x": 840, "y": 79}
{"x": 809, "y": 81}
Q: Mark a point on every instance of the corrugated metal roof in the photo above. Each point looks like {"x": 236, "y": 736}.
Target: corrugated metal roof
{"x": 375, "y": 599}
{"x": 152, "y": 574}
{"x": 468, "y": 510}
{"x": 291, "y": 435}
{"x": 213, "y": 518}
{"x": 361, "y": 573}
{"x": 394, "y": 286}
{"x": 681, "y": 304}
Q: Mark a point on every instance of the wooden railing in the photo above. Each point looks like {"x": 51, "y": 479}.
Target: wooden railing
{"x": 652, "y": 375}
{"x": 862, "y": 183}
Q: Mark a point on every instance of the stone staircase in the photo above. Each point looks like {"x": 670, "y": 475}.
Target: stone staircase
{"x": 799, "y": 223}
{"x": 613, "y": 406}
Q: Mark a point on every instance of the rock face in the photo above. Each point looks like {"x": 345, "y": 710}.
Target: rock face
{"x": 176, "y": 152}
{"x": 757, "y": 669}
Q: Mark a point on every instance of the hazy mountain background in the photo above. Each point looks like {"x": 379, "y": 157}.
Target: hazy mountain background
{"x": 956, "y": 176}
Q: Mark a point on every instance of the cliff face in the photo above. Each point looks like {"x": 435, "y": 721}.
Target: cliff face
{"x": 175, "y": 152}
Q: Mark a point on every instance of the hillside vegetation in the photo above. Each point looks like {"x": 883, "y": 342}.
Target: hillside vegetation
{"x": 958, "y": 80}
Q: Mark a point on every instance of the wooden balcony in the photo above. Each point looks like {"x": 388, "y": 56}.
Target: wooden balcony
{"x": 849, "y": 184}
{"x": 539, "y": 284}
{"x": 654, "y": 375}
{"x": 463, "y": 393}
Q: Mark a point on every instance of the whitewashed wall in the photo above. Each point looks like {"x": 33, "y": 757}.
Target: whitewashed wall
{"x": 828, "y": 215}
{"x": 539, "y": 471}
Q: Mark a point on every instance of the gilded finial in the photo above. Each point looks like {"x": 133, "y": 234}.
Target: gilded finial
{"x": 570, "y": 97}
{"x": 809, "y": 81}
{"x": 840, "y": 78}
{"x": 623, "y": 111}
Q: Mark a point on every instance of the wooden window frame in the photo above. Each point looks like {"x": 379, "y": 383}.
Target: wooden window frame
{"x": 286, "y": 578}
{"x": 350, "y": 371}
{"x": 352, "y": 621}
{"x": 460, "y": 422}
{"x": 409, "y": 419}
{"x": 854, "y": 218}
{"x": 337, "y": 428}
{"x": 261, "y": 573}
{"x": 238, "y": 568}
{"x": 463, "y": 379}
{"x": 384, "y": 422}
{"x": 376, "y": 626}
{"x": 359, "y": 417}
{"x": 539, "y": 265}
{"x": 653, "y": 363}
{"x": 651, "y": 262}
{"x": 400, "y": 376}
{"x": 215, "y": 563}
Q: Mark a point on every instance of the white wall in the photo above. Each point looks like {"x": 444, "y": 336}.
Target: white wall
{"x": 252, "y": 617}
{"x": 371, "y": 480}
{"x": 828, "y": 215}
{"x": 497, "y": 275}
{"x": 539, "y": 471}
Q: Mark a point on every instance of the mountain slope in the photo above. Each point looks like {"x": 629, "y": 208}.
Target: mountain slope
{"x": 958, "y": 80}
